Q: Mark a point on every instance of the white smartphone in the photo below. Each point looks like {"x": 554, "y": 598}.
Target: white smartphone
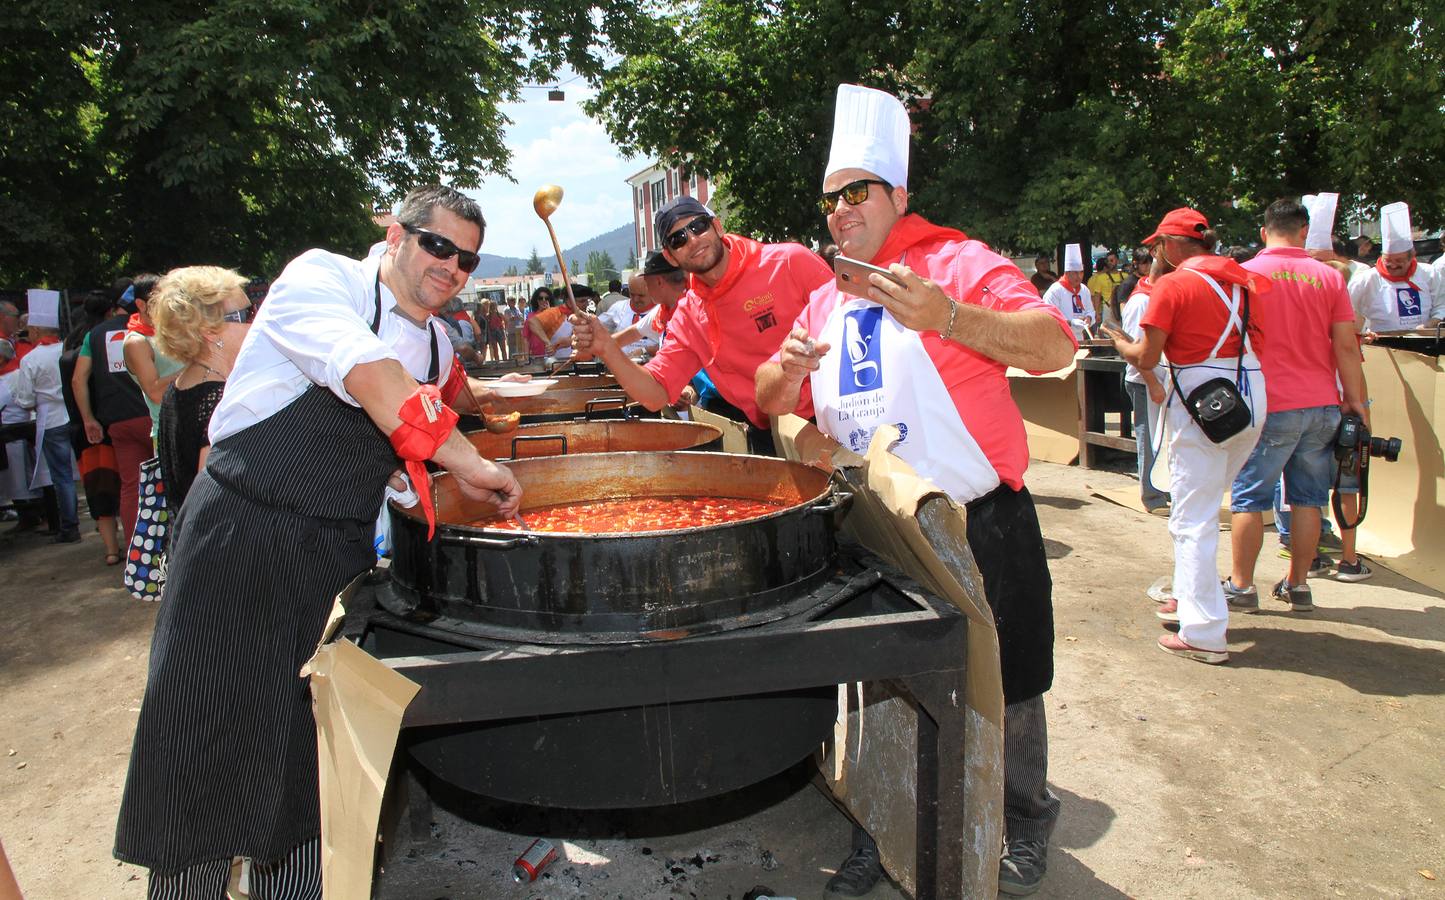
{"x": 852, "y": 275}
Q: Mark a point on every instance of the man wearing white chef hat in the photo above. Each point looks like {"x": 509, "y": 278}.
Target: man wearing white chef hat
{"x": 1400, "y": 292}
{"x": 37, "y": 387}
{"x": 926, "y": 352}
{"x": 1070, "y": 296}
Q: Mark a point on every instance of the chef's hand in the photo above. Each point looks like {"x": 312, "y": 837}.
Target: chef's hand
{"x": 493, "y": 483}
{"x": 516, "y": 376}
{"x": 800, "y": 355}
{"x": 590, "y": 336}
{"x": 917, "y": 303}
{"x": 93, "y": 431}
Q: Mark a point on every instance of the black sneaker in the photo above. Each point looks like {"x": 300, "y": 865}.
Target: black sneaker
{"x": 1353, "y": 571}
{"x": 1300, "y": 599}
{"x": 67, "y": 537}
{"x": 860, "y": 872}
{"x": 1022, "y": 868}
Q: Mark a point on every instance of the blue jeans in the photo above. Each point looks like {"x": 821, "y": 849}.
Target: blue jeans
{"x": 1152, "y": 496}
{"x": 1297, "y": 443}
{"x": 55, "y": 444}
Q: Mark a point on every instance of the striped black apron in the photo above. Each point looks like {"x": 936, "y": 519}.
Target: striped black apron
{"x": 281, "y": 519}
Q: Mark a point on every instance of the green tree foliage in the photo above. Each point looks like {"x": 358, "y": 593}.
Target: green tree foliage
{"x": 534, "y": 263}
{"x": 1039, "y": 121}
{"x": 242, "y": 131}
{"x": 601, "y": 267}
{"x": 511, "y": 272}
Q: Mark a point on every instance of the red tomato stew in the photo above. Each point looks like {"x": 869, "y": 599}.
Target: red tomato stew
{"x": 636, "y": 514}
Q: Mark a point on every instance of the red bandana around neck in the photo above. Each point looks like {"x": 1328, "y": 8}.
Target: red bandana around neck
{"x": 743, "y": 253}
{"x": 1407, "y": 278}
{"x": 137, "y": 325}
{"x": 1222, "y": 268}
{"x": 47, "y": 340}
{"x": 908, "y": 232}
{"x": 426, "y": 422}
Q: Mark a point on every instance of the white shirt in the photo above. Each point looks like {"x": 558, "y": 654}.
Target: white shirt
{"x": 37, "y": 387}
{"x": 1381, "y": 302}
{"x": 609, "y": 300}
{"x": 314, "y": 327}
{"x": 621, "y": 316}
{"x": 1059, "y": 295}
{"x": 1134, "y": 312}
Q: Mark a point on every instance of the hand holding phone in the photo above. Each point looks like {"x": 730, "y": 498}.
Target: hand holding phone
{"x": 851, "y": 275}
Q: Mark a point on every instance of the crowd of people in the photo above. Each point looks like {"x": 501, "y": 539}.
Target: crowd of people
{"x": 286, "y": 432}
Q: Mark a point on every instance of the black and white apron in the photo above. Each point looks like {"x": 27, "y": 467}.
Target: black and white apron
{"x": 280, "y": 520}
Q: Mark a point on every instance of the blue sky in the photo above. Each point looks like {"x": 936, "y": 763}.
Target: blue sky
{"x": 556, "y": 142}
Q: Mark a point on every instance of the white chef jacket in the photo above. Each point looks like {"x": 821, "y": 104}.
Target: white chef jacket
{"x": 621, "y": 316}
{"x": 314, "y": 327}
{"x": 37, "y": 387}
{"x": 1374, "y": 297}
{"x": 1133, "y": 312}
{"x": 1062, "y": 299}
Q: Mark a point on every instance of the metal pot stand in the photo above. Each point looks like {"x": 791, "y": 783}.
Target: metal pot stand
{"x": 870, "y": 623}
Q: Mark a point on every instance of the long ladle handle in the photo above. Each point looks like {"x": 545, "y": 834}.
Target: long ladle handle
{"x": 561, "y": 264}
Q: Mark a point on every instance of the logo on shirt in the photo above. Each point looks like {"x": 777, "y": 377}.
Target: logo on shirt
{"x": 861, "y": 368}
{"x": 860, "y": 438}
{"x": 1408, "y": 300}
{"x": 765, "y": 321}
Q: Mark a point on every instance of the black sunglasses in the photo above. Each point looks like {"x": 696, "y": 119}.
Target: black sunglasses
{"x": 696, "y": 228}
{"x": 855, "y": 192}
{"x": 239, "y": 316}
{"x": 443, "y": 248}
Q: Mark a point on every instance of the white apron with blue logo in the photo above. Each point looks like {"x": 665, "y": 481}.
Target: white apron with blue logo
{"x": 877, "y": 373}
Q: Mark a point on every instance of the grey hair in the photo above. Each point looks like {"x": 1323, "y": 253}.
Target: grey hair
{"x": 9, "y": 308}
{"x": 416, "y": 207}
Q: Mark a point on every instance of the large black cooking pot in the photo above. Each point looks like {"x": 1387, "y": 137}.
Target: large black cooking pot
{"x": 561, "y": 588}
{"x": 581, "y": 436}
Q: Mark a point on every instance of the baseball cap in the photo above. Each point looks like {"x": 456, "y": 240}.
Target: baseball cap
{"x": 657, "y": 264}
{"x": 682, "y": 208}
{"x": 1182, "y": 222}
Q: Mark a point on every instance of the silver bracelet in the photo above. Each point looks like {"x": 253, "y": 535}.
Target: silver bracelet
{"x": 952, "y": 312}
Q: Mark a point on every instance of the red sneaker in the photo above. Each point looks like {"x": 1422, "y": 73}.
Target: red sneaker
{"x": 1173, "y": 643}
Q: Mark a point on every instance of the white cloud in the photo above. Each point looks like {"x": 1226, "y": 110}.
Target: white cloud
{"x": 556, "y": 143}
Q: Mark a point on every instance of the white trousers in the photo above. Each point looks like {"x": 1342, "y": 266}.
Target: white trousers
{"x": 1200, "y": 472}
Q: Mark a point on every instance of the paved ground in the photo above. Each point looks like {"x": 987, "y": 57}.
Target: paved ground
{"x": 1308, "y": 767}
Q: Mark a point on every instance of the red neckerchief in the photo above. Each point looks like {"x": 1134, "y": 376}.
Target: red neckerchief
{"x": 1142, "y": 286}
{"x": 137, "y": 325}
{"x": 425, "y": 424}
{"x": 664, "y": 315}
{"x": 1222, "y": 268}
{"x": 21, "y": 348}
{"x": 48, "y": 339}
{"x": 1074, "y": 293}
{"x": 910, "y": 231}
{"x": 743, "y": 253}
{"x": 1407, "y": 278}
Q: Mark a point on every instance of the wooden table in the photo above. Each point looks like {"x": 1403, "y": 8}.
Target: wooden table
{"x": 1101, "y": 391}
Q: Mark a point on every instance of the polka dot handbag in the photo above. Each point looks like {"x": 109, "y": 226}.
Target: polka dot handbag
{"x": 145, "y": 562}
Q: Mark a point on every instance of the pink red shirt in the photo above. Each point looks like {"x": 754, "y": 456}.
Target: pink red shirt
{"x": 1295, "y": 349}
{"x": 969, "y": 272}
{"x": 751, "y": 318}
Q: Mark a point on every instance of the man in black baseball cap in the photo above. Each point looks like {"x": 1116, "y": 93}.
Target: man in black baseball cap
{"x": 742, "y": 299}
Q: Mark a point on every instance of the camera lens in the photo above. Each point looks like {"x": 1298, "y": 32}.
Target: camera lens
{"x": 1387, "y": 449}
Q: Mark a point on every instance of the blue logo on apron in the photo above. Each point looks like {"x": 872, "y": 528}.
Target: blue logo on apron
{"x": 1408, "y": 300}
{"x": 861, "y": 368}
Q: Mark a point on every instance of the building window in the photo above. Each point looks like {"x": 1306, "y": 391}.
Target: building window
{"x": 659, "y": 197}
{"x": 692, "y": 184}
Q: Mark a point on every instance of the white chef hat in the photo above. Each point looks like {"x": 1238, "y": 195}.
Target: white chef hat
{"x": 1321, "y": 208}
{"x": 1073, "y": 258}
{"x": 870, "y": 132}
{"x": 1395, "y": 233}
{"x": 43, "y": 307}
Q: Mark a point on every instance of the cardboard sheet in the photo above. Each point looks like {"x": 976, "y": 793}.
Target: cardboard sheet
{"x": 1050, "y": 407}
{"x": 358, "y": 702}
{"x": 734, "y": 434}
{"x": 871, "y": 766}
{"x": 1404, "y": 527}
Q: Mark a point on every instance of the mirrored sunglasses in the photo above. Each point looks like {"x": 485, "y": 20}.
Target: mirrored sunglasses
{"x": 855, "y": 192}
{"x": 696, "y": 228}
{"x": 443, "y": 248}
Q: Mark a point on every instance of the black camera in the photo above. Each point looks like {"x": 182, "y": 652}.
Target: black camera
{"x": 1353, "y": 443}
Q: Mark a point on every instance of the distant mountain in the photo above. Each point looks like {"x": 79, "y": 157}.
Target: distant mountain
{"x": 618, "y": 243}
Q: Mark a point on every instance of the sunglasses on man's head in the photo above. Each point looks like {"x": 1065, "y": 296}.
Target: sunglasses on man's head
{"x": 855, "y": 192}
{"x": 696, "y": 228}
{"x": 239, "y": 316}
{"x": 443, "y": 248}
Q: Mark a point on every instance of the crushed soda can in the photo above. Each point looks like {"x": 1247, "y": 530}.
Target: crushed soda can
{"x": 530, "y": 864}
